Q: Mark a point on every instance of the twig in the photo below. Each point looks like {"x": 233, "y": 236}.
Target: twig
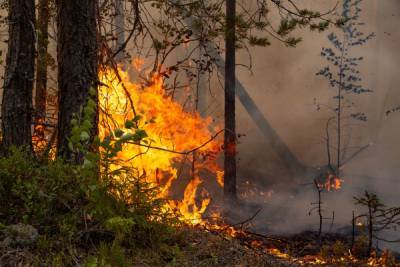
{"x": 355, "y": 154}
{"x": 248, "y": 220}
{"x": 178, "y": 152}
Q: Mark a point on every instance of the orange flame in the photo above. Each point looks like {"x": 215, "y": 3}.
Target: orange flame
{"x": 38, "y": 138}
{"x": 171, "y": 132}
{"x": 333, "y": 183}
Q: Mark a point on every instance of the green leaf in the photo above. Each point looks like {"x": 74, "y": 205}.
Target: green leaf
{"x": 84, "y": 136}
{"x": 137, "y": 118}
{"x": 139, "y": 135}
{"x": 74, "y": 122}
{"x": 70, "y": 146}
{"x": 118, "y": 133}
{"x": 129, "y": 124}
{"x": 87, "y": 163}
{"x": 91, "y": 103}
{"x": 92, "y": 92}
{"x": 87, "y": 125}
{"x": 127, "y": 137}
{"x": 88, "y": 111}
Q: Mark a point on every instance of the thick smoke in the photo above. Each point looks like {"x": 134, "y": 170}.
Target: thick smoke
{"x": 284, "y": 84}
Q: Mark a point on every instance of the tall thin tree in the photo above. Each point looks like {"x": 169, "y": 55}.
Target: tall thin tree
{"x": 41, "y": 70}
{"x": 19, "y": 74}
{"x": 343, "y": 74}
{"x": 77, "y": 60}
{"x": 230, "y": 84}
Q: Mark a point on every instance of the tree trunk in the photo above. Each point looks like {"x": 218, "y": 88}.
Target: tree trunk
{"x": 271, "y": 136}
{"x": 77, "y": 60}
{"x": 19, "y": 75}
{"x": 41, "y": 72}
{"x": 230, "y": 125}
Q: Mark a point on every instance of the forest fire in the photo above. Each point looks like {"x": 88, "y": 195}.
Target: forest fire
{"x": 331, "y": 183}
{"x": 174, "y": 138}
{"x": 177, "y": 138}
{"x": 186, "y": 133}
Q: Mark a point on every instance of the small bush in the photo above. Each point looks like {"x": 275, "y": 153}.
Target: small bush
{"x": 76, "y": 210}
{"x": 45, "y": 196}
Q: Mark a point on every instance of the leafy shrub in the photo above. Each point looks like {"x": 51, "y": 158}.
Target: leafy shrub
{"x": 71, "y": 205}
{"x": 45, "y": 196}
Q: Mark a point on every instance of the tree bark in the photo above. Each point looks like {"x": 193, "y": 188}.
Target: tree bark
{"x": 230, "y": 83}
{"x": 19, "y": 74}
{"x": 77, "y": 60}
{"x": 41, "y": 71}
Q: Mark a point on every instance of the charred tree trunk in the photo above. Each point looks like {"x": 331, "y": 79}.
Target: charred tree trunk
{"x": 41, "y": 70}
{"x": 77, "y": 60}
{"x": 370, "y": 227}
{"x": 19, "y": 74}
{"x": 230, "y": 83}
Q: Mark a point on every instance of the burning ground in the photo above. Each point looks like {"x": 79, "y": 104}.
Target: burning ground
{"x": 181, "y": 156}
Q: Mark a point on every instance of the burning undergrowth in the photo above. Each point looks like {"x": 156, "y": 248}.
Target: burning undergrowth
{"x": 179, "y": 155}
{"x": 175, "y": 139}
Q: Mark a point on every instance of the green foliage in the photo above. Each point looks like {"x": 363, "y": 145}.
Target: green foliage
{"x": 71, "y": 204}
{"x": 80, "y": 139}
{"x": 41, "y": 195}
{"x": 109, "y": 256}
{"x": 257, "y": 41}
{"x": 120, "y": 226}
{"x": 286, "y": 26}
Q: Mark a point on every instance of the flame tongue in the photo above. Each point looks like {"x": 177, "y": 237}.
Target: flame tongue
{"x": 331, "y": 183}
{"x": 172, "y": 129}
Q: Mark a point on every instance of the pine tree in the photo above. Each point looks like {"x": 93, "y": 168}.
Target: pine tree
{"x": 343, "y": 73}
{"x": 77, "y": 59}
{"x": 19, "y": 75}
{"x": 230, "y": 124}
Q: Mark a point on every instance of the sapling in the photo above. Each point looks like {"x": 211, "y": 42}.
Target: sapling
{"x": 378, "y": 218}
{"x": 318, "y": 208}
{"x": 343, "y": 76}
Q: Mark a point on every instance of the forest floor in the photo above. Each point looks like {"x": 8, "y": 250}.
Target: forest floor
{"x": 196, "y": 246}
{"x": 192, "y": 247}
{"x": 200, "y": 248}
